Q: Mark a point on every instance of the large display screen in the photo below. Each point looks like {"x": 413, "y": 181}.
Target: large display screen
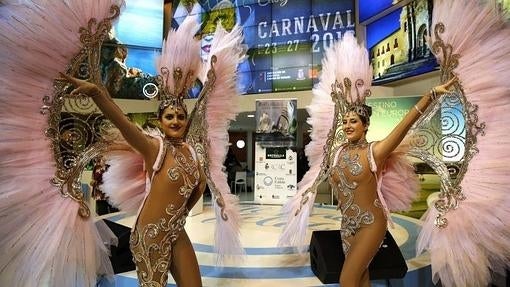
{"x": 129, "y": 55}
{"x": 140, "y": 29}
{"x": 285, "y": 39}
{"x": 397, "y": 43}
{"x": 371, "y": 8}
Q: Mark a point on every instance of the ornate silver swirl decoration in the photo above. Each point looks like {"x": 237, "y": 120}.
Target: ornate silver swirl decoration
{"x": 460, "y": 128}
{"x": 74, "y": 145}
{"x": 360, "y": 84}
{"x": 424, "y": 139}
{"x": 445, "y": 182}
{"x": 92, "y": 38}
{"x": 197, "y": 133}
{"x": 45, "y": 108}
{"x": 452, "y": 147}
{"x": 453, "y": 129}
{"x": 80, "y": 104}
{"x": 74, "y": 134}
{"x": 444, "y": 52}
{"x": 452, "y": 122}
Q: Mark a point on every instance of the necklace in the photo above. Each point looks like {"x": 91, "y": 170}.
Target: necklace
{"x": 357, "y": 144}
{"x": 174, "y": 141}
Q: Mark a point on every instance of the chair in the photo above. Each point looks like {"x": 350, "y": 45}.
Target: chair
{"x": 240, "y": 180}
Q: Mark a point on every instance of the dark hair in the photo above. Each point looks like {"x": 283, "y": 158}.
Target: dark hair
{"x": 162, "y": 107}
{"x": 363, "y": 111}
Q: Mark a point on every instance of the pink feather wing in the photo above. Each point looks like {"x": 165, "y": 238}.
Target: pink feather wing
{"x": 477, "y": 238}
{"x": 221, "y": 108}
{"x": 399, "y": 182}
{"x": 125, "y": 180}
{"x": 42, "y": 238}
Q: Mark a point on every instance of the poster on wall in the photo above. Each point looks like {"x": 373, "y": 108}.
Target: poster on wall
{"x": 276, "y": 121}
{"x": 285, "y": 39}
{"x": 397, "y": 41}
{"x": 386, "y": 114}
{"x": 275, "y": 174}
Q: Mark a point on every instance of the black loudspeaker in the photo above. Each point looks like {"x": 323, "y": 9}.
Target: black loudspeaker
{"x": 327, "y": 258}
{"x": 121, "y": 257}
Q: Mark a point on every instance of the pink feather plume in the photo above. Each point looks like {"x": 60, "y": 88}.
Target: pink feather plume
{"x": 399, "y": 182}
{"x": 181, "y": 50}
{"x": 42, "y": 237}
{"x": 228, "y": 49}
{"x": 477, "y": 238}
{"x": 125, "y": 180}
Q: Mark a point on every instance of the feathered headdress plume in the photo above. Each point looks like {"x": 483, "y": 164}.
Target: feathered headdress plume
{"x": 179, "y": 64}
{"x": 227, "y": 51}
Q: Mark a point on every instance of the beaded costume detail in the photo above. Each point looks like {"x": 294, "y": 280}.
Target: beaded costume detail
{"x": 152, "y": 243}
{"x": 353, "y": 216}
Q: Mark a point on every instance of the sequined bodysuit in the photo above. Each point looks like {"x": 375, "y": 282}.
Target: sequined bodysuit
{"x": 356, "y": 188}
{"x": 163, "y": 213}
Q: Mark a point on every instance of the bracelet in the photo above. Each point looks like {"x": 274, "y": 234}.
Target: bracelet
{"x": 418, "y": 110}
{"x": 433, "y": 94}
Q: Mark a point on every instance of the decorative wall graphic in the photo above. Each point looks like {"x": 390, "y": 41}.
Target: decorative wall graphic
{"x": 276, "y": 121}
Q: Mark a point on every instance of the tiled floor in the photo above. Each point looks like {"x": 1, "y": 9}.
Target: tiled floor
{"x": 267, "y": 265}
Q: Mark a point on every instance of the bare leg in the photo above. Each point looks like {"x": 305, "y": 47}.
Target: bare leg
{"x": 152, "y": 244}
{"x": 151, "y": 257}
{"x": 365, "y": 279}
{"x": 364, "y": 246}
{"x": 184, "y": 265}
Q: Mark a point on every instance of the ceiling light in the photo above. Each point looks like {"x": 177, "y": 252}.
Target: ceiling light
{"x": 240, "y": 144}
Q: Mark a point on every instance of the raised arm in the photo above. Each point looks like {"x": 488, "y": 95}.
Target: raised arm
{"x": 133, "y": 135}
{"x": 383, "y": 148}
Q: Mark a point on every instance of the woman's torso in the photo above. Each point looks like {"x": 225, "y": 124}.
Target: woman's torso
{"x": 356, "y": 188}
{"x": 171, "y": 185}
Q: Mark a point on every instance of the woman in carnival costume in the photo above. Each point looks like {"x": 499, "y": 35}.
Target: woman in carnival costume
{"x": 355, "y": 174}
{"x": 371, "y": 179}
{"x": 46, "y": 235}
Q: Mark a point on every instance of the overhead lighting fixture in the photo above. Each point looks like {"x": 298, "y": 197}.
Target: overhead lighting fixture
{"x": 250, "y": 116}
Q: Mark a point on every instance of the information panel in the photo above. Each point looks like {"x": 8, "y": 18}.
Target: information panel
{"x": 275, "y": 174}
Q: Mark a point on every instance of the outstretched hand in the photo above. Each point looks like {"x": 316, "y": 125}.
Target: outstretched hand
{"x": 445, "y": 88}
{"x": 82, "y": 87}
